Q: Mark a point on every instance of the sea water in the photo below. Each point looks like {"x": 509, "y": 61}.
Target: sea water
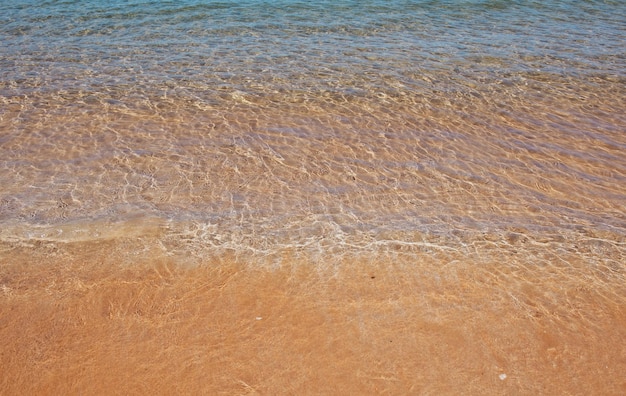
{"x": 318, "y": 128}
{"x": 330, "y": 197}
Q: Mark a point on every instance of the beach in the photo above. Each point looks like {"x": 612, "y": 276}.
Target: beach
{"x": 369, "y": 326}
{"x": 401, "y": 197}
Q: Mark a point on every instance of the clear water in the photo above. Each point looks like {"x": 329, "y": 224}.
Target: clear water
{"x": 331, "y": 197}
{"x": 322, "y": 129}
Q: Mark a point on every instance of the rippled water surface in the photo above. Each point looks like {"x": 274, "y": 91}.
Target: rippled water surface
{"x": 330, "y": 197}
{"x": 323, "y": 128}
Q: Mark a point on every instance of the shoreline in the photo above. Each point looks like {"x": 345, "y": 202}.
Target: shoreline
{"x": 104, "y": 318}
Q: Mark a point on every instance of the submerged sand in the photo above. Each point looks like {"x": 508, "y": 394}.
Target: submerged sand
{"x": 80, "y": 318}
{"x": 342, "y": 198}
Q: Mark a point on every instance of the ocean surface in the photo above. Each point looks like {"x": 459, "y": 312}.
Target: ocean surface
{"x": 329, "y": 197}
{"x": 317, "y": 129}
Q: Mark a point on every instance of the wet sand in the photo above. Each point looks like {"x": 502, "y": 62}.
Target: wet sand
{"x": 78, "y": 318}
{"x": 342, "y": 198}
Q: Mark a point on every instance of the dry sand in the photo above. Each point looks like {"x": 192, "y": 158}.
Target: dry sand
{"x": 86, "y": 318}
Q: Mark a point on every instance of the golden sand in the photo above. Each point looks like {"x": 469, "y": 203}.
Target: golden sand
{"x": 80, "y": 318}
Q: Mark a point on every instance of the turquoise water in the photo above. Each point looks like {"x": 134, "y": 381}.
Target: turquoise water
{"x": 205, "y": 45}
{"x": 330, "y": 126}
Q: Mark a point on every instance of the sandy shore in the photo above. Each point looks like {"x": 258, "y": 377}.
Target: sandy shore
{"x": 83, "y": 319}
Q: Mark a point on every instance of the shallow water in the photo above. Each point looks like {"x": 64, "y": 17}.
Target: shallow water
{"x": 325, "y": 127}
{"x": 387, "y": 134}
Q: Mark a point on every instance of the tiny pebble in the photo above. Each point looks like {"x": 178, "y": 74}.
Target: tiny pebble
{"x": 259, "y": 318}
{"x": 502, "y": 376}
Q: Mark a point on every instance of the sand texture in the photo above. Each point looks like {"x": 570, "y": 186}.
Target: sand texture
{"x": 74, "y": 325}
